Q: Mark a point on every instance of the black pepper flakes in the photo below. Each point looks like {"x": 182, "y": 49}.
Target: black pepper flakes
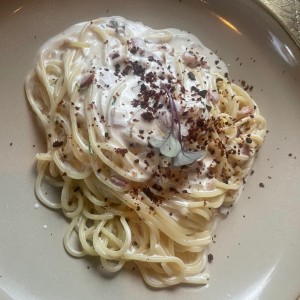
{"x": 147, "y": 116}
{"x": 121, "y": 151}
{"x": 191, "y": 76}
{"x": 57, "y": 144}
{"x": 210, "y": 257}
{"x": 157, "y": 187}
{"x": 202, "y": 93}
{"x": 76, "y": 189}
{"x": 208, "y": 107}
{"x": 261, "y": 185}
{"x": 150, "y": 195}
{"x": 115, "y": 55}
{"x": 143, "y": 87}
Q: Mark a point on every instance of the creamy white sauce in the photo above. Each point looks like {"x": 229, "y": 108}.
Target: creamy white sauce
{"x": 172, "y": 52}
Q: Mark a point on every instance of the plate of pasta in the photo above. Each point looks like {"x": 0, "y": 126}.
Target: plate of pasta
{"x": 148, "y": 150}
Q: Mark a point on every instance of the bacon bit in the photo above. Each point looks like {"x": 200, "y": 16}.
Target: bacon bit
{"x": 213, "y": 97}
{"x": 87, "y": 80}
{"x": 244, "y": 112}
{"x": 245, "y": 150}
{"x": 190, "y": 59}
{"x": 57, "y": 144}
{"x": 117, "y": 181}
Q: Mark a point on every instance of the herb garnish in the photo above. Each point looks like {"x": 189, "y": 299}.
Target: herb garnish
{"x": 90, "y": 148}
{"x": 115, "y": 25}
{"x": 172, "y": 145}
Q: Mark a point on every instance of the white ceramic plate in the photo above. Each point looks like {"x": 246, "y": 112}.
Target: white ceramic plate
{"x": 257, "y": 249}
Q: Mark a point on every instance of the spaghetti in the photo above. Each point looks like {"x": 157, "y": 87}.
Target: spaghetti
{"x": 147, "y": 139}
